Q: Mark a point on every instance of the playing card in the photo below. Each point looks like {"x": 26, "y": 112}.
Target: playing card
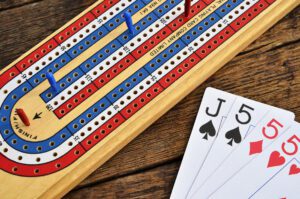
{"x": 284, "y": 184}
{"x": 263, "y": 167}
{"x": 244, "y": 116}
{"x": 213, "y": 110}
{"x": 266, "y": 132}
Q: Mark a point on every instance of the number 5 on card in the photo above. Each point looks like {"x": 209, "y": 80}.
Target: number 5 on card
{"x": 264, "y": 167}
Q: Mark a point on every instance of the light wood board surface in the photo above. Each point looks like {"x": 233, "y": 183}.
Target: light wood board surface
{"x": 51, "y": 186}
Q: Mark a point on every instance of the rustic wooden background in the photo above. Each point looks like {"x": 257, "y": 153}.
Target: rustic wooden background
{"x": 267, "y": 71}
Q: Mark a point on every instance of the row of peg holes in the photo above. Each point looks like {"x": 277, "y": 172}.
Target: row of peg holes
{"x": 43, "y": 75}
{"x": 165, "y": 55}
{"x": 95, "y": 123}
{"x": 87, "y": 42}
{"x": 100, "y": 55}
{"x": 172, "y": 13}
{"x": 112, "y": 13}
{"x": 117, "y": 20}
{"x": 142, "y": 100}
{"x": 166, "y": 6}
{"x": 237, "y": 12}
{"x": 144, "y": 35}
{"x": 105, "y": 6}
{"x": 37, "y": 55}
{"x": 89, "y": 116}
{"x": 135, "y": 92}
{"x": 127, "y": 84}
{"x": 152, "y": 42}
{"x": 25, "y": 89}
{"x": 206, "y": 35}
{"x": 178, "y": 57}
{"x": 62, "y": 85}
{"x": 228, "y": 6}
{"x": 12, "y": 74}
{"x": 36, "y": 171}
{"x": 114, "y": 71}
{"x": 38, "y": 148}
{"x": 200, "y": 28}
{"x": 125, "y": 37}
{"x": 219, "y": 25}
{"x": 108, "y": 63}
{"x": 87, "y": 30}
{"x": 102, "y": 131}
{"x": 249, "y": 14}
{"x": 38, "y": 159}
{"x": 120, "y": 53}
{"x": 94, "y": 73}
{"x": 215, "y": 42}
{"x": 179, "y": 70}
{"x": 76, "y": 100}
{"x": 74, "y": 29}
{"x": 19, "y": 81}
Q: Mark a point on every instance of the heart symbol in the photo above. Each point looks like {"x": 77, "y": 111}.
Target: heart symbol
{"x": 294, "y": 170}
{"x": 256, "y": 147}
{"x": 276, "y": 159}
{"x": 208, "y": 129}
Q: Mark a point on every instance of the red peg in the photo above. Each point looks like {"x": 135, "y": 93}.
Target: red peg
{"x": 187, "y": 7}
{"x": 23, "y": 117}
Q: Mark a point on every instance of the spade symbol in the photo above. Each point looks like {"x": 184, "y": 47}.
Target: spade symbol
{"x": 234, "y": 135}
{"x": 208, "y": 129}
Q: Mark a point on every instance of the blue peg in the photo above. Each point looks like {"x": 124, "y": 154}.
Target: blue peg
{"x": 52, "y": 82}
{"x": 128, "y": 19}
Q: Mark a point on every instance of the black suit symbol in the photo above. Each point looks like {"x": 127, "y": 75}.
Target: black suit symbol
{"x": 208, "y": 129}
{"x": 234, "y": 135}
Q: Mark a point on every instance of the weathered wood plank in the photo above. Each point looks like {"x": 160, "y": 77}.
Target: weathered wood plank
{"x": 286, "y": 31}
{"x": 8, "y": 4}
{"x": 153, "y": 183}
{"x": 24, "y": 27}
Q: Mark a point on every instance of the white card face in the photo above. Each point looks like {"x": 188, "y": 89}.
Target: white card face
{"x": 271, "y": 127}
{"x": 284, "y": 184}
{"x": 263, "y": 167}
{"x": 214, "y": 108}
{"x": 243, "y": 117}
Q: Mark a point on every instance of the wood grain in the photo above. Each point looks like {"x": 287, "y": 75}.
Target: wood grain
{"x": 9, "y": 4}
{"x": 266, "y": 71}
{"x": 158, "y": 181}
{"x": 23, "y": 27}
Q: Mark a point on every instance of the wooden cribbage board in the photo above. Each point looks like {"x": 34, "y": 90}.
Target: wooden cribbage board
{"x": 112, "y": 85}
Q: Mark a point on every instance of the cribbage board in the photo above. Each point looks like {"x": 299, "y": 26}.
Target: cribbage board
{"x": 111, "y": 84}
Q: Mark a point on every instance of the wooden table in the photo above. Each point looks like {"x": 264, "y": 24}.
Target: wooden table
{"x": 267, "y": 71}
